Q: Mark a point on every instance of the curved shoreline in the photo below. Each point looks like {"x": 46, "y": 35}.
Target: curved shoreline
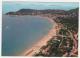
{"x": 42, "y": 42}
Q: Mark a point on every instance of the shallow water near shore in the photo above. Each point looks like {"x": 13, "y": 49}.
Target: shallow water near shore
{"x": 21, "y": 32}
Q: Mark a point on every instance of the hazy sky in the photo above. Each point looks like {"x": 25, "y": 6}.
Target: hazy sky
{"x": 15, "y": 6}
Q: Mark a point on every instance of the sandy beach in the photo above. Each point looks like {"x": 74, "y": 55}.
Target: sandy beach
{"x": 41, "y": 42}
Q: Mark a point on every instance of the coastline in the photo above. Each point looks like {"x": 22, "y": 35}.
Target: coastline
{"x": 43, "y": 41}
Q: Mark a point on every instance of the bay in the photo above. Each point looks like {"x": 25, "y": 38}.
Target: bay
{"x": 21, "y": 32}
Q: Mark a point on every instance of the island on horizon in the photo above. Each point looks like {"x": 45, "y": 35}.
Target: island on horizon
{"x": 61, "y": 40}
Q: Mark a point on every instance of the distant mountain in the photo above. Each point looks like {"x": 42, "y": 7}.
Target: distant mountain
{"x": 32, "y": 11}
{"x": 73, "y": 12}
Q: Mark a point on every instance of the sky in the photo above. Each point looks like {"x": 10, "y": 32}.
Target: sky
{"x": 8, "y": 6}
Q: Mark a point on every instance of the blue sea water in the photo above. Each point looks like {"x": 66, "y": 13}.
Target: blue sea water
{"x": 21, "y": 32}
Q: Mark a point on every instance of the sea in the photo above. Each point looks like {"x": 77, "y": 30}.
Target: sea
{"x": 21, "y": 32}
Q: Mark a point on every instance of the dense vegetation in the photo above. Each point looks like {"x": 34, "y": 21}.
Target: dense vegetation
{"x": 71, "y": 20}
